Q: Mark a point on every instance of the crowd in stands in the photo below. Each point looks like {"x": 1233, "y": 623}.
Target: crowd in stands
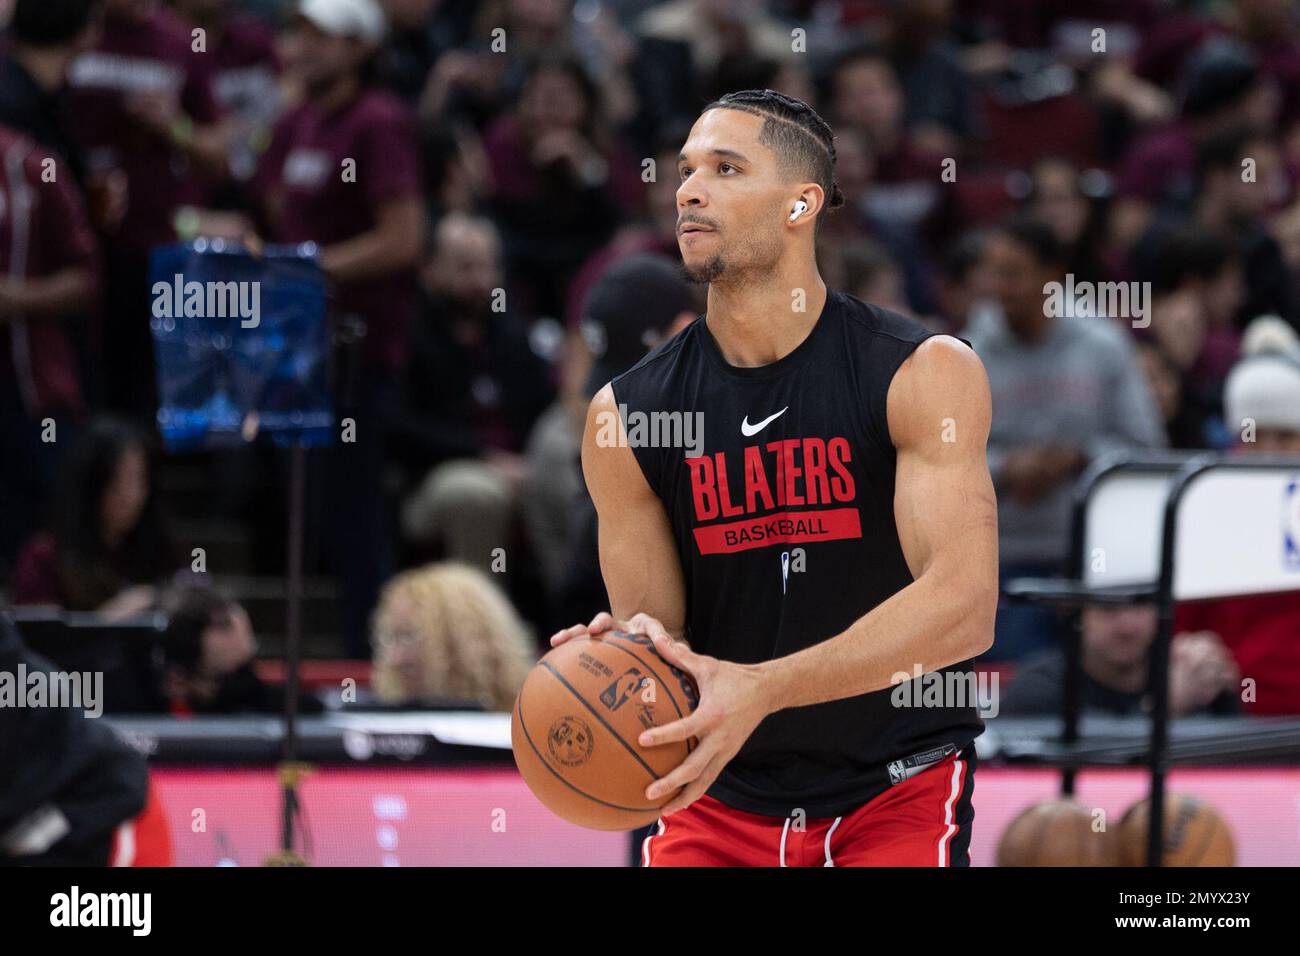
{"x": 491, "y": 188}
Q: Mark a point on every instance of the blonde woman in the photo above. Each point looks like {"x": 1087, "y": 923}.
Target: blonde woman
{"x": 446, "y": 631}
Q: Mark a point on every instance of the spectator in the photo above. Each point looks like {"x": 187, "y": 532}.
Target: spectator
{"x": 1234, "y": 204}
{"x": 446, "y": 632}
{"x": 939, "y": 108}
{"x": 1070, "y": 201}
{"x": 45, "y": 36}
{"x": 1065, "y": 390}
{"x": 965, "y": 283}
{"x": 866, "y": 95}
{"x": 1262, "y": 400}
{"x": 143, "y": 112}
{"x": 562, "y": 181}
{"x": 1197, "y": 291}
{"x": 210, "y": 650}
{"x": 655, "y": 231}
{"x": 420, "y": 34}
{"x": 713, "y": 29}
{"x": 245, "y": 72}
{"x": 1223, "y": 89}
{"x": 474, "y": 389}
{"x": 875, "y": 276}
{"x": 1169, "y": 388}
{"x": 455, "y": 170}
{"x": 1267, "y": 27}
{"x": 342, "y": 171}
{"x": 47, "y": 276}
{"x": 109, "y": 549}
{"x": 1116, "y": 642}
{"x": 855, "y": 165}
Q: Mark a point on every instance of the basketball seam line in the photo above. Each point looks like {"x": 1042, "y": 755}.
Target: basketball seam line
{"x": 560, "y": 777}
{"x": 604, "y": 723}
{"x": 662, "y": 683}
{"x": 1205, "y": 841}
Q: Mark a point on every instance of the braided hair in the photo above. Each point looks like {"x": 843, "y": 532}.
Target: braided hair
{"x": 801, "y": 140}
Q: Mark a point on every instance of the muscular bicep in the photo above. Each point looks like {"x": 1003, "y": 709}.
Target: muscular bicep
{"x": 939, "y": 410}
{"x": 638, "y": 556}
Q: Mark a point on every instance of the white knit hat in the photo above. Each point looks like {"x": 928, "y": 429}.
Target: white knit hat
{"x": 1264, "y": 385}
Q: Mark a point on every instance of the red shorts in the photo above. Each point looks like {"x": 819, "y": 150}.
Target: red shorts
{"x": 924, "y": 820}
{"x": 145, "y": 839}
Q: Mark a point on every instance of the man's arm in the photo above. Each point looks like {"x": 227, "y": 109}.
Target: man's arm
{"x": 638, "y": 557}
{"x": 48, "y": 296}
{"x": 393, "y": 244}
{"x": 939, "y": 409}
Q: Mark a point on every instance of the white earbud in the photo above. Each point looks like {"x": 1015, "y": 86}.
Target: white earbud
{"x": 800, "y": 207}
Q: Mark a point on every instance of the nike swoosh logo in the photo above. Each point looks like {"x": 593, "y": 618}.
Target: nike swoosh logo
{"x": 747, "y": 429}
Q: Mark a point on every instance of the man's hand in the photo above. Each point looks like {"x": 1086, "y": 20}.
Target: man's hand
{"x": 604, "y": 621}
{"x": 10, "y": 299}
{"x": 734, "y": 699}
{"x": 1200, "y": 669}
{"x": 1035, "y": 470}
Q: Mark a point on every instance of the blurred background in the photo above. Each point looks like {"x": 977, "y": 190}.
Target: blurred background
{"x": 506, "y": 243}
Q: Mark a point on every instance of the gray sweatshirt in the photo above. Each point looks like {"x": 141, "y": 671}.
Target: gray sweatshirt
{"x": 1081, "y": 385}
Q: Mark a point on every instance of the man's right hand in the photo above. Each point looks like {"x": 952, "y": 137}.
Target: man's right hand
{"x": 604, "y": 621}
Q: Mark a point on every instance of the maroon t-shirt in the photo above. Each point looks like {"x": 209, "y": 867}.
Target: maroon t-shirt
{"x": 304, "y": 169}
{"x": 43, "y": 229}
{"x": 1161, "y": 162}
{"x": 1168, "y": 46}
{"x": 244, "y": 42}
{"x": 907, "y": 190}
{"x": 133, "y": 57}
{"x": 245, "y": 71}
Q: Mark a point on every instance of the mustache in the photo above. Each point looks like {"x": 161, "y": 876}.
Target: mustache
{"x": 695, "y": 221}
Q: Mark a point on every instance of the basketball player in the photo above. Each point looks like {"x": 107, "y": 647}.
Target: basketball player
{"x": 834, "y": 527}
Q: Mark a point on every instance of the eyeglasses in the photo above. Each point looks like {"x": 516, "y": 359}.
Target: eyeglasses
{"x": 388, "y": 640}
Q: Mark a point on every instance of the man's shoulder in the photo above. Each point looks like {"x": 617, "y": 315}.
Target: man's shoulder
{"x": 866, "y": 318}
{"x": 380, "y": 107}
{"x": 12, "y": 139}
{"x": 1101, "y": 334}
{"x": 171, "y": 34}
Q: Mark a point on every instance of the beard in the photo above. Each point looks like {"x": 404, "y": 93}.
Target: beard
{"x": 710, "y": 271}
{"x": 758, "y": 257}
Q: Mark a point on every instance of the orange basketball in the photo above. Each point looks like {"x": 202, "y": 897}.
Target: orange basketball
{"x": 1195, "y": 834}
{"x": 576, "y": 724}
{"x": 1054, "y": 833}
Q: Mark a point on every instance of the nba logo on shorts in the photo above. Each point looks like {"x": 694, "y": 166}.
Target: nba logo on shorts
{"x": 785, "y": 569}
{"x": 1291, "y": 525}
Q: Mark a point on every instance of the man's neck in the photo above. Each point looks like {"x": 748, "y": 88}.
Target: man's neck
{"x": 1031, "y": 333}
{"x": 761, "y": 321}
{"x": 338, "y": 94}
{"x": 1213, "y": 214}
{"x": 47, "y": 67}
{"x": 1129, "y": 678}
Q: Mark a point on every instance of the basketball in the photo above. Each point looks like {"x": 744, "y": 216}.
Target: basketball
{"x": 576, "y": 722}
{"x": 1195, "y": 834}
{"x": 1054, "y": 833}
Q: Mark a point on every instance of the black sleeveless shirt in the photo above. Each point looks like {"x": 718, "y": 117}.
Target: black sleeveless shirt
{"x": 782, "y": 507}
